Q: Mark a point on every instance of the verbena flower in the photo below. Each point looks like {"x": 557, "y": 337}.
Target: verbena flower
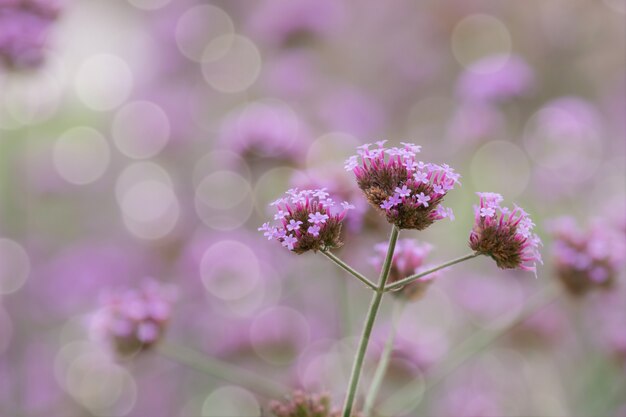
{"x": 407, "y": 191}
{"x": 496, "y": 78}
{"x": 307, "y": 220}
{"x": 302, "y": 404}
{"x": 24, "y": 30}
{"x": 504, "y": 234}
{"x": 586, "y": 259}
{"x": 408, "y": 259}
{"x": 133, "y": 320}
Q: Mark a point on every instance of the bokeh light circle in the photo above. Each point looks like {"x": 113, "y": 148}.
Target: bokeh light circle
{"x": 223, "y": 200}
{"x": 140, "y": 172}
{"x": 480, "y": 35}
{"x": 271, "y": 185}
{"x": 141, "y": 129}
{"x": 231, "y": 401}
{"x": 278, "y": 334}
{"x": 103, "y": 82}
{"x": 81, "y": 155}
{"x": 15, "y": 266}
{"x": 330, "y": 149}
{"x": 500, "y": 167}
{"x": 231, "y": 63}
{"x": 230, "y": 270}
{"x": 198, "y": 27}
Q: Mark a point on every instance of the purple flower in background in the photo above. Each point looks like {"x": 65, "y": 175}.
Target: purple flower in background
{"x": 504, "y": 235}
{"x": 307, "y": 208}
{"x": 295, "y": 23}
{"x": 132, "y": 320}
{"x": 303, "y": 404}
{"x": 266, "y": 130}
{"x": 408, "y": 259}
{"x": 495, "y": 78}
{"x": 586, "y": 259}
{"x": 382, "y": 171}
{"x": 24, "y": 31}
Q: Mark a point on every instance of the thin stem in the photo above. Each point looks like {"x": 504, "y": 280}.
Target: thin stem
{"x": 222, "y": 370}
{"x": 348, "y": 268}
{"x": 369, "y": 324}
{"x": 404, "y": 400}
{"x": 399, "y": 284}
{"x": 383, "y": 363}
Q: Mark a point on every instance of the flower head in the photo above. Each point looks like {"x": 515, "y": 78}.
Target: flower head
{"x": 586, "y": 259}
{"x": 312, "y": 221}
{"x": 305, "y": 405}
{"x": 24, "y": 30}
{"x": 133, "y": 320}
{"x": 408, "y": 259}
{"x": 407, "y": 191}
{"x": 504, "y": 234}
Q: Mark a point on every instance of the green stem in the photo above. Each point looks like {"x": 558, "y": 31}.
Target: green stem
{"x": 403, "y": 399}
{"x": 222, "y": 370}
{"x": 399, "y": 284}
{"x": 369, "y": 324}
{"x": 383, "y": 363}
{"x": 349, "y": 269}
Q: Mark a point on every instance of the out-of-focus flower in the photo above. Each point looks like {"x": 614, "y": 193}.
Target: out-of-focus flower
{"x": 496, "y": 78}
{"x": 415, "y": 350}
{"x": 352, "y": 111}
{"x": 24, "y": 30}
{"x": 504, "y": 234}
{"x": 308, "y": 220}
{"x": 408, "y": 259}
{"x": 586, "y": 259}
{"x": 297, "y": 22}
{"x": 133, "y": 320}
{"x": 470, "y": 399}
{"x": 265, "y": 129}
{"x": 302, "y": 404}
{"x": 408, "y": 192}
{"x": 473, "y": 122}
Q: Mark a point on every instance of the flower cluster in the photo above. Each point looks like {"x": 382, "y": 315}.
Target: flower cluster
{"x": 407, "y": 191}
{"x": 586, "y": 259}
{"x": 24, "y": 29}
{"x": 133, "y": 320}
{"x": 307, "y": 220}
{"x": 504, "y": 234}
{"x": 305, "y": 405}
{"x": 408, "y": 259}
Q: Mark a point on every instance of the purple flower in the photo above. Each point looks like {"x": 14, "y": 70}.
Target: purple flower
{"x": 303, "y": 404}
{"x": 387, "y": 178}
{"x": 312, "y": 222}
{"x": 134, "y": 319}
{"x": 504, "y": 236}
{"x": 586, "y": 259}
{"x": 293, "y": 225}
{"x": 24, "y": 31}
{"x": 422, "y": 199}
{"x": 495, "y": 78}
{"x": 317, "y": 218}
{"x": 404, "y": 191}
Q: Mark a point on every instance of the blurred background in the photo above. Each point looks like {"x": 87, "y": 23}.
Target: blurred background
{"x": 144, "y": 139}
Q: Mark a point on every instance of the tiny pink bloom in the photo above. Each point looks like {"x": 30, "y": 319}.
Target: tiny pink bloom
{"x": 422, "y": 199}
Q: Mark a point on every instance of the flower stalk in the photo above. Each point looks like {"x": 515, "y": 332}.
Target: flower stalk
{"x": 383, "y": 362}
{"x": 399, "y": 284}
{"x": 369, "y": 324}
{"x": 349, "y": 269}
